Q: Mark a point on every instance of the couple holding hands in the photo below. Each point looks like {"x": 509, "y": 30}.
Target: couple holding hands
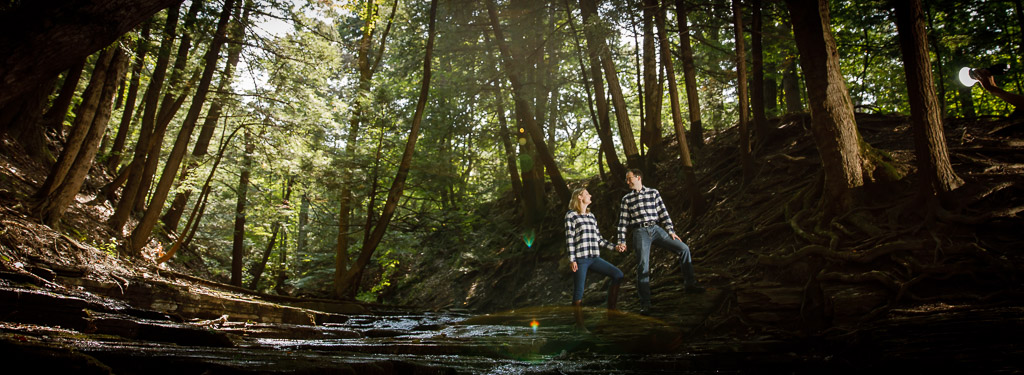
{"x": 641, "y": 210}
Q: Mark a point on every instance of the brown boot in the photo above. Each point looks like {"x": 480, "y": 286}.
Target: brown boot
{"x": 577, "y": 309}
{"x": 613, "y": 298}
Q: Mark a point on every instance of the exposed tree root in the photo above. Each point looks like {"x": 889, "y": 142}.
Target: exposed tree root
{"x": 841, "y": 256}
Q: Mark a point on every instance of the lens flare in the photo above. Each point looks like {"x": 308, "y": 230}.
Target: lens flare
{"x": 534, "y": 324}
{"x": 965, "y": 77}
{"x": 528, "y": 238}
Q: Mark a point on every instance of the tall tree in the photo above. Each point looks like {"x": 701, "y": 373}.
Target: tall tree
{"x": 526, "y": 41}
{"x": 91, "y": 102}
{"x": 133, "y": 91}
{"x": 697, "y": 202}
{"x": 257, "y": 269}
{"x": 529, "y": 121}
{"x": 599, "y": 51}
{"x": 350, "y": 281}
{"x": 366, "y": 70}
{"x": 689, "y": 75}
{"x": 202, "y": 146}
{"x": 142, "y": 232}
{"x": 746, "y": 160}
{"x": 192, "y": 224}
{"x": 832, "y": 122}
{"x": 791, "y": 87}
{"x": 67, "y": 177}
{"x": 506, "y": 141}
{"x": 652, "y": 88}
{"x": 175, "y": 93}
{"x": 591, "y": 76}
{"x": 133, "y": 170}
{"x": 54, "y": 118}
{"x": 935, "y": 171}
{"x": 242, "y": 192}
{"x": 757, "y": 103}
{"x": 20, "y": 119}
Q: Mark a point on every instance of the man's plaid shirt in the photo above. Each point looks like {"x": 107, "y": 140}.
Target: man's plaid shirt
{"x": 642, "y": 206}
{"x": 582, "y": 237}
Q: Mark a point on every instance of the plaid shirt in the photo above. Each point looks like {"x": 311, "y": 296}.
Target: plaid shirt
{"x": 582, "y": 237}
{"x": 642, "y": 206}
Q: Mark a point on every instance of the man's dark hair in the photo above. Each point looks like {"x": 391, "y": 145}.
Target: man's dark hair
{"x": 637, "y": 172}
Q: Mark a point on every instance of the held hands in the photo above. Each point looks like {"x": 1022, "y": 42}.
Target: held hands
{"x": 620, "y": 247}
{"x": 574, "y": 266}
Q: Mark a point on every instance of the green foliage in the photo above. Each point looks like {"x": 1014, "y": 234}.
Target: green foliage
{"x": 110, "y": 248}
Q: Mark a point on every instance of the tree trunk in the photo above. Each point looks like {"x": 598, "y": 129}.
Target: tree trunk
{"x": 936, "y": 174}
{"x": 40, "y": 39}
{"x": 791, "y": 87}
{"x": 91, "y": 102}
{"x": 54, "y": 118}
{"x": 202, "y": 146}
{"x": 640, "y": 87}
{"x": 352, "y": 278}
{"x": 697, "y": 203}
{"x": 174, "y": 98}
{"x": 771, "y": 96}
{"x": 132, "y": 179}
{"x": 600, "y": 116}
{"x": 832, "y": 122}
{"x": 257, "y": 270}
{"x": 744, "y": 103}
{"x": 510, "y": 152}
{"x": 366, "y": 71}
{"x": 94, "y": 117}
{"x": 757, "y": 68}
{"x": 133, "y": 92}
{"x": 600, "y": 51}
{"x": 939, "y": 72}
{"x": 20, "y": 119}
{"x": 652, "y": 93}
{"x": 526, "y": 41}
{"x": 238, "y": 237}
{"x": 300, "y": 247}
{"x": 690, "y": 76}
{"x": 524, "y": 107}
{"x": 142, "y": 232}
{"x": 185, "y": 239}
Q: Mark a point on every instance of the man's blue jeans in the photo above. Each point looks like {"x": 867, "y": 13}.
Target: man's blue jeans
{"x": 595, "y": 264}
{"x": 643, "y": 237}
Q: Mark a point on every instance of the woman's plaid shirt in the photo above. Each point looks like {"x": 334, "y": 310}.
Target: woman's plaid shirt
{"x": 582, "y": 237}
{"x": 642, "y": 206}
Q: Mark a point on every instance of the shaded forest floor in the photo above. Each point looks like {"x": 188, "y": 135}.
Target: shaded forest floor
{"x": 894, "y": 282}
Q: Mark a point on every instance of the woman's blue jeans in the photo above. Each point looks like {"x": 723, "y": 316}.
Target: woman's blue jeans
{"x": 595, "y": 264}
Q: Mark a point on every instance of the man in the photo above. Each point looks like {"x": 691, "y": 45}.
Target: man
{"x": 643, "y": 211}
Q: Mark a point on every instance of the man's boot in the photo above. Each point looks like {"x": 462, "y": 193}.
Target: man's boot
{"x": 644, "y": 291}
{"x": 577, "y": 309}
{"x": 613, "y": 298}
{"x": 690, "y": 280}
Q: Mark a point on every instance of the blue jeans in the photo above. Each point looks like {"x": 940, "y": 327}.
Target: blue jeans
{"x": 643, "y": 237}
{"x": 595, "y": 264}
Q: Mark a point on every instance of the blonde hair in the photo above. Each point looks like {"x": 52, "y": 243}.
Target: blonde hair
{"x": 574, "y": 202}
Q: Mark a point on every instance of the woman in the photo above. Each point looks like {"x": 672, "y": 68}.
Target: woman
{"x": 585, "y": 243}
